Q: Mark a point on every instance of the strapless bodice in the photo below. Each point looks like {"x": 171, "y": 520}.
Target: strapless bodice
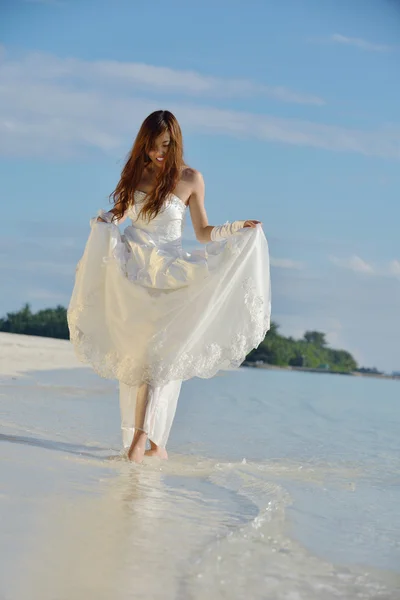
{"x": 167, "y": 226}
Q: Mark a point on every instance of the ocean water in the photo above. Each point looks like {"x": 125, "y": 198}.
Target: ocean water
{"x": 280, "y": 485}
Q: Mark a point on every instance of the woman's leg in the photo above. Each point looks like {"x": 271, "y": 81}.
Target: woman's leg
{"x": 138, "y": 445}
{"x": 157, "y": 451}
{"x": 127, "y": 405}
{"x": 151, "y": 408}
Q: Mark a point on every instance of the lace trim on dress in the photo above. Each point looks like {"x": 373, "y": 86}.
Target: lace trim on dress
{"x": 205, "y": 364}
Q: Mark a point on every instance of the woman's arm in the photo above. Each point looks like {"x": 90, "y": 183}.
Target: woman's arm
{"x": 204, "y": 232}
{"x": 106, "y": 217}
{"x": 197, "y": 209}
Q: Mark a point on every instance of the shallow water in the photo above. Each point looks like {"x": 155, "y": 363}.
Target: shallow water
{"x": 280, "y": 485}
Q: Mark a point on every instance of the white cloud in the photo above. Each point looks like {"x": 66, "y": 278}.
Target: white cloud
{"x": 394, "y": 268}
{"x": 358, "y": 265}
{"x": 45, "y": 119}
{"x": 286, "y": 263}
{"x": 354, "y": 263}
{"x": 37, "y": 66}
{"x": 54, "y": 107}
{"x": 360, "y": 43}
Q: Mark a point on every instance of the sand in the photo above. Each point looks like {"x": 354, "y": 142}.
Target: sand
{"x": 22, "y": 353}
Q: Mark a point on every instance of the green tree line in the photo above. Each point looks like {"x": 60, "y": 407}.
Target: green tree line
{"x": 310, "y": 352}
{"x": 50, "y": 322}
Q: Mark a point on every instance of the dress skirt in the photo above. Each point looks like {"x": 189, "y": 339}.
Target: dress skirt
{"x": 169, "y": 315}
{"x": 145, "y": 311}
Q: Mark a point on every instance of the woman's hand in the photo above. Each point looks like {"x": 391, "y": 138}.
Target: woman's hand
{"x": 252, "y": 223}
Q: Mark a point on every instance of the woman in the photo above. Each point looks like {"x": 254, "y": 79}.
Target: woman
{"x": 147, "y": 313}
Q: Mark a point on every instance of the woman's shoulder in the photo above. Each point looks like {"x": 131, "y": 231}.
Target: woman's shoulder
{"x": 193, "y": 179}
{"x": 190, "y": 175}
{"x": 192, "y": 183}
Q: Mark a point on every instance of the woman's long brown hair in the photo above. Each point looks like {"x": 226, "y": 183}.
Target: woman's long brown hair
{"x": 167, "y": 176}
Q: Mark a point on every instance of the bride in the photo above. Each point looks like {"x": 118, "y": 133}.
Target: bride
{"x": 151, "y": 315}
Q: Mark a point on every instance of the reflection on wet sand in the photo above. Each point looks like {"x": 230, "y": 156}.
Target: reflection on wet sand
{"x": 135, "y": 534}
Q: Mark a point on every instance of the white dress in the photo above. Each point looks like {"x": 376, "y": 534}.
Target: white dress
{"x": 143, "y": 310}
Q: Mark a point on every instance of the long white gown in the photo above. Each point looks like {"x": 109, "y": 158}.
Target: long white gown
{"x": 145, "y": 311}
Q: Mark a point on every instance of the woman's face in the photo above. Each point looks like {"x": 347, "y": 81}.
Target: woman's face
{"x": 158, "y": 153}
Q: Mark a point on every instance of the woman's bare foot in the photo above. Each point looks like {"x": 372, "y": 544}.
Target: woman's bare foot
{"x": 138, "y": 447}
{"x": 157, "y": 451}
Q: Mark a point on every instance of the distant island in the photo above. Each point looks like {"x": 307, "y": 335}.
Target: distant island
{"x": 310, "y": 353}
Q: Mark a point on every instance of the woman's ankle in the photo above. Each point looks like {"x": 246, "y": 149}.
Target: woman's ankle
{"x": 139, "y": 438}
{"x": 138, "y": 446}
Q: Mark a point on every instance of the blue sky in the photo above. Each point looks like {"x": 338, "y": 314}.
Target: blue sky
{"x": 290, "y": 109}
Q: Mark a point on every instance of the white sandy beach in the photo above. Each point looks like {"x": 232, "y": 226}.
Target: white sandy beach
{"x": 279, "y": 486}
{"x": 22, "y": 353}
